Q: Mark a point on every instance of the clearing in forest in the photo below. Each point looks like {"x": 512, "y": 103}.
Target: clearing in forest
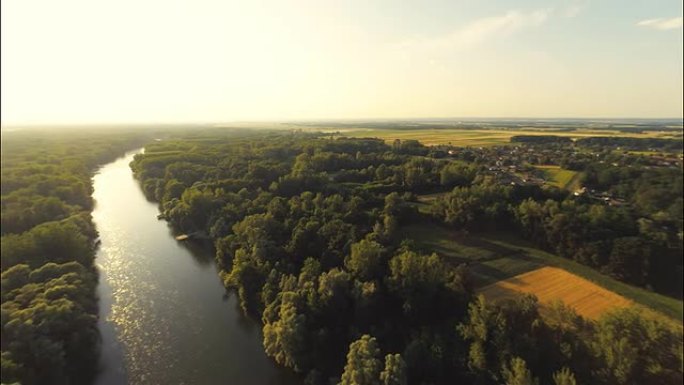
{"x": 559, "y": 177}
{"x": 550, "y": 283}
{"x": 494, "y": 257}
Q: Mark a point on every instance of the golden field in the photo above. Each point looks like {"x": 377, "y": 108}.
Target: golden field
{"x": 550, "y": 283}
{"x": 481, "y": 137}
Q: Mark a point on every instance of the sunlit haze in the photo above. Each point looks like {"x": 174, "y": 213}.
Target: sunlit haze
{"x": 90, "y": 61}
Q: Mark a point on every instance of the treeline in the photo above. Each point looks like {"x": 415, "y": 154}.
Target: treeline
{"x": 306, "y": 232}
{"x": 635, "y": 144}
{"x": 49, "y": 307}
{"x": 607, "y": 142}
{"x": 539, "y": 139}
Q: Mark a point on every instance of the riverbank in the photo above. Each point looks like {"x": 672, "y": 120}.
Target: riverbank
{"x": 49, "y": 243}
{"x": 166, "y": 307}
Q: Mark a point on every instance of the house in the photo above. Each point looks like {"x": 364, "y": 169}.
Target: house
{"x": 580, "y": 192}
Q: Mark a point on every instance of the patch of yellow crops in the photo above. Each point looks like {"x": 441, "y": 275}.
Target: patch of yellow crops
{"x": 481, "y": 137}
{"x": 550, "y": 283}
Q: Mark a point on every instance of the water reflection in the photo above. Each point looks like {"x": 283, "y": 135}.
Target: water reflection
{"x": 202, "y": 251}
{"x": 165, "y": 318}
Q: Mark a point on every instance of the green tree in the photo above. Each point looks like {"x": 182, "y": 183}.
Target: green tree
{"x": 395, "y": 370}
{"x": 564, "y": 377}
{"x": 633, "y": 349}
{"x": 629, "y": 260}
{"x": 426, "y": 286}
{"x": 517, "y": 373}
{"x": 284, "y": 339}
{"x": 365, "y": 259}
{"x": 363, "y": 363}
{"x": 497, "y": 332}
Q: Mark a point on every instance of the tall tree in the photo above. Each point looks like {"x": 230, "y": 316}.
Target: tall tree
{"x": 284, "y": 339}
{"x": 564, "y": 377}
{"x": 395, "y": 370}
{"x": 363, "y": 363}
{"x": 365, "y": 259}
{"x": 517, "y": 373}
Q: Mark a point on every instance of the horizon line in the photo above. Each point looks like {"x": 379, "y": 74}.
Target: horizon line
{"x": 328, "y": 120}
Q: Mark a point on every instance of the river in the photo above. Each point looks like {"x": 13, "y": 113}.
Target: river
{"x": 165, "y": 317}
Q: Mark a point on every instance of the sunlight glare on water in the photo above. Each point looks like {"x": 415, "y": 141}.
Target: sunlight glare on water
{"x": 164, "y": 315}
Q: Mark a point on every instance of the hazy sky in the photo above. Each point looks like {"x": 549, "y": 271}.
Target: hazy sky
{"x": 85, "y": 61}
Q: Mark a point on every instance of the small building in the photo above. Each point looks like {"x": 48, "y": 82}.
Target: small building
{"x": 580, "y": 192}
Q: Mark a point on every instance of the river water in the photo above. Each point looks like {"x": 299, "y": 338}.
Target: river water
{"x": 165, "y": 317}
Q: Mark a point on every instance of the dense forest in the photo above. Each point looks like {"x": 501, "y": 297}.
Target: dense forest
{"x": 307, "y": 233}
{"x": 49, "y": 308}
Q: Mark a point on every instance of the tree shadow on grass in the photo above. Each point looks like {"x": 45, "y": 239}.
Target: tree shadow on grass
{"x": 484, "y": 275}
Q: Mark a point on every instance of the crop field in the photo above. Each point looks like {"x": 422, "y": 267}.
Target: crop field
{"x": 483, "y": 137}
{"x": 559, "y": 177}
{"x": 550, "y": 283}
{"x": 495, "y": 256}
{"x": 463, "y": 138}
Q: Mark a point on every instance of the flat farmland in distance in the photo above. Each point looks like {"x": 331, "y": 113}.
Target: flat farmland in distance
{"x": 463, "y": 138}
{"x": 483, "y": 137}
{"x": 550, "y": 283}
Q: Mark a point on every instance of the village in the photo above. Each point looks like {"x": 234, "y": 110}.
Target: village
{"x": 540, "y": 165}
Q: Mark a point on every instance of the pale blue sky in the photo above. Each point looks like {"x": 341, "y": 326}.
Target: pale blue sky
{"x": 90, "y": 61}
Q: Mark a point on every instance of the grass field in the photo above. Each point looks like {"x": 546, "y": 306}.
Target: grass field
{"x": 429, "y": 198}
{"x": 497, "y": 256}
{"x": 559, "y": 177}
{"x": 550, "y": 283}
{"x": 424, "y": 201}
{"x": 481, "y": 138}
{"x": 644, "y": 153}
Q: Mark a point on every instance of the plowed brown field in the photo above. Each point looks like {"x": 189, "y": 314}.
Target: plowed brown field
{"x": 550, "y": 283}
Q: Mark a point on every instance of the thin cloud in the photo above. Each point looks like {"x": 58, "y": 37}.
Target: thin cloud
{"x": 482, "y": 30}
{"x": 574, "y": 8}
{"x": 661, "y": 23}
